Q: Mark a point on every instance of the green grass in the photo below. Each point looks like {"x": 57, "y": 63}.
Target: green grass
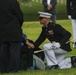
{"x": 46, "y": 72}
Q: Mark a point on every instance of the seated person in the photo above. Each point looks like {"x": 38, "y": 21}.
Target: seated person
{"x": 26, "y": 53}
{"x": 27, "y": 50}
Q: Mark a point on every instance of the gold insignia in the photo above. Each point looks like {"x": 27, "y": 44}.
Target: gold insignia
{"x": 50, "y": 32}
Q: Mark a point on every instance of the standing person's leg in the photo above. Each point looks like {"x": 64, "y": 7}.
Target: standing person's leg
{"x": 4, "y": 57}
{"x": 74, "y": 31}
{"x": 14, "y": 56}
{"x": 53, "y": 18}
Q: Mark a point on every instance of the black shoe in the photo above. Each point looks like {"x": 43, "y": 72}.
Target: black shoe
{"x": 73, "y": 61}
{"x": 54, "y": 67}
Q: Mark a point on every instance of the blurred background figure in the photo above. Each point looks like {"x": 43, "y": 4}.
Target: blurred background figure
{"x": 50, "y": 7}
{"x": 71, "y": 11}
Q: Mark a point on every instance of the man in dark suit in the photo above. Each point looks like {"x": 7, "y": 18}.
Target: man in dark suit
{"x": 50, "y": 7}
{"x": 11, "y": 19}
{"x": 71, "y": 11}
{"x": 56, "y": 50}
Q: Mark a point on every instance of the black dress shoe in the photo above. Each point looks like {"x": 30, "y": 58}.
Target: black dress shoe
{"x": 73, "y": 61}
{"x": 54, "y": 67}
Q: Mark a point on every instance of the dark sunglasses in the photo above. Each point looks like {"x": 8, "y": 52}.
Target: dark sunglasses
{"x": 40, "y": 18}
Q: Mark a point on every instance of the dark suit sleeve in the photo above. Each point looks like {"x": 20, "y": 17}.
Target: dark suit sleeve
{"x": 44, "y": 2}
{"x": 68, "y": 6}
{"x": 64, "y": 33}
{"x": 17, "y": 11}
{"x": 53, "y": 2}
{"x": 40, "y": 40}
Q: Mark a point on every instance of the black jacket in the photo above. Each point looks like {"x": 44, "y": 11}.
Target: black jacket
{"x": 53, "y": 10}
{"x": 55, "y": 33}
{"x": 71, "y": 8}
{"x": 11, "y": 19}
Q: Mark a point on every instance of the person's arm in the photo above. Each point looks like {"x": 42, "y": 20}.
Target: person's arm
{"x": 44, "y": 2}
{"x": 40, "y": 39}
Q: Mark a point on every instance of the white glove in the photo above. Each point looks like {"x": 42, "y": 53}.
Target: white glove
{"x": 55, "y": 45}
{"x": 69, "y": 16}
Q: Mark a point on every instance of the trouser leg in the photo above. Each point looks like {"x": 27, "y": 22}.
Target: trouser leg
{"x": 14, "y": 56}
{"x": 74, "y": 28}
{"x": 66, "y": 63}
{"x": 50, "y": 58}
{"x": 53, "y": 18}
{"x": 29, "y": 55}
{"x": 30, "y": 58}
{"x": 4, "y": 57}
{"x": 55, "y": 56}
{"x": 49, "y": 55}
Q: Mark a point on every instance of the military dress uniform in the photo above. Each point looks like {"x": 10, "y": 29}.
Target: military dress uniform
{"x": 54, "y": 32}
{"x": 71, "y": 11}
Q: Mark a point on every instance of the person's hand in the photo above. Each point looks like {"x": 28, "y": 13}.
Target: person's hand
{"x": 55, "y": 45}
{"x": 69, "y": 16}
{"x": 49, "y": 7}
{"x": 30, "y": 45}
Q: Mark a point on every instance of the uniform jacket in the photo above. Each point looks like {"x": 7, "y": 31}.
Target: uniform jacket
{"x": 53, "y": 10}
{"x": 55, "y": 33}
{"x": 71, "y": 8}
{"x": 11, "y": 19}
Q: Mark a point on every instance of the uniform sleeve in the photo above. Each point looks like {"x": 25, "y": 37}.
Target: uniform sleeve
{"x": 44, "y": 3}
{"x": 68, "y": 6}
{"x": 17, "y": 11}
{"x": 64, "y": 33}
{"x": 40, "y": 40}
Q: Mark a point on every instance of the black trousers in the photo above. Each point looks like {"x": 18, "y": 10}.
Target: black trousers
{"x": 9, "y": 56}
{"x": 26, "y": 55}
{"x": 40, "y": 54}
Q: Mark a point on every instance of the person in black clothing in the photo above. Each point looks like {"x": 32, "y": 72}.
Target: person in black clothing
{"x": 27, "y": 50}
{"x": 58, "y": 46}
{"x": 11, "y": 20}
{"x": 71, "y": 11}
{"x": 50, "y": 7}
